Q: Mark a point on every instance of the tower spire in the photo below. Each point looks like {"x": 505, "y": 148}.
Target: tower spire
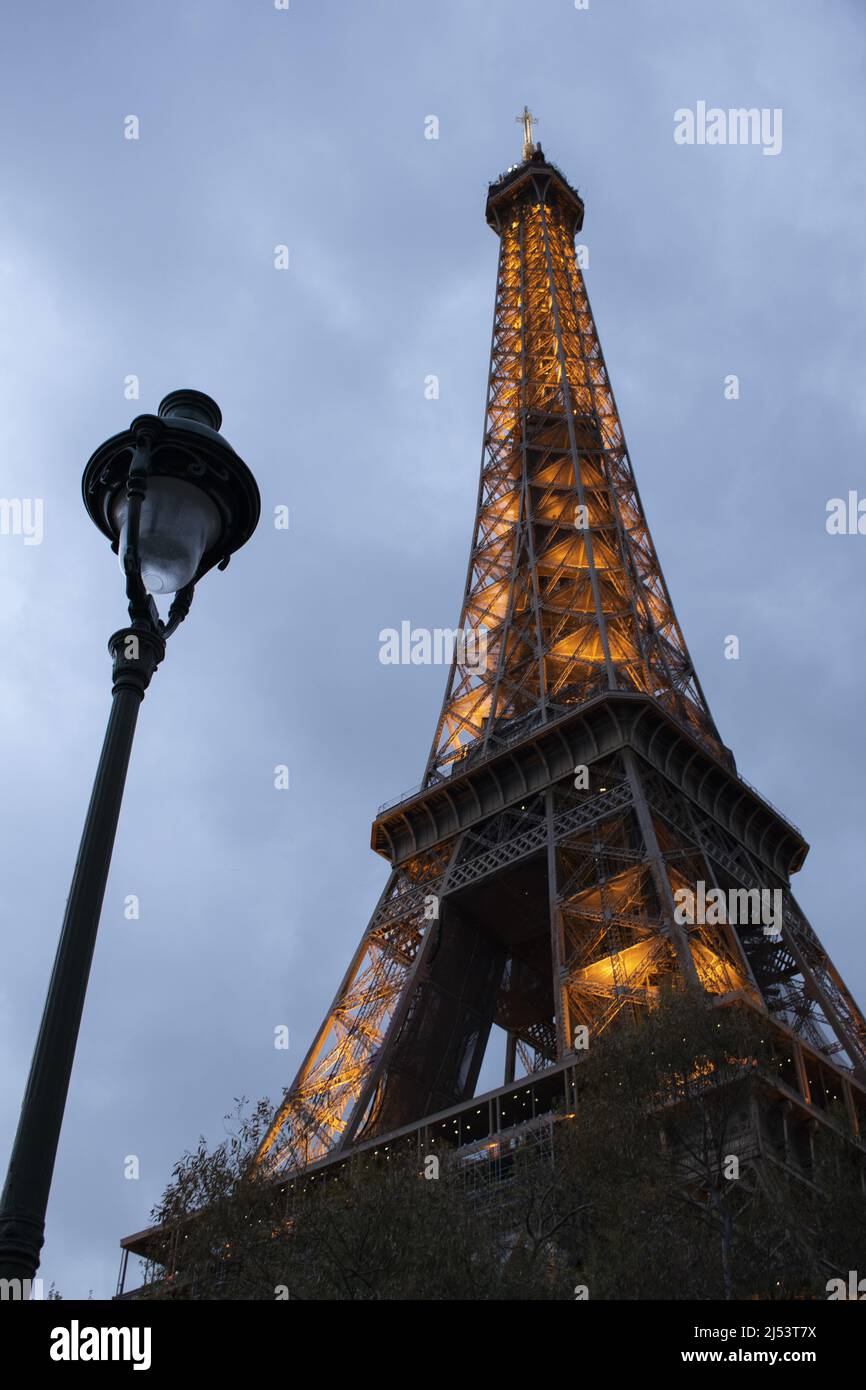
{"x": 527, "y": 120}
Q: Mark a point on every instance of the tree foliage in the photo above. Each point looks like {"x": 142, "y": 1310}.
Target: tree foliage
{"x": 652, "y": 1189}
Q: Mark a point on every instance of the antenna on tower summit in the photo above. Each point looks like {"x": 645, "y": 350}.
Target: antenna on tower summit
{"x": 528, "y": 121}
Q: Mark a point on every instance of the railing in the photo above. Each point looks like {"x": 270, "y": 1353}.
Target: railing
{"x": 521, "y": 164}
{"x": 767, "y": 802}
{"x": 398, "y": 800}
{"x": 459, "y": 765}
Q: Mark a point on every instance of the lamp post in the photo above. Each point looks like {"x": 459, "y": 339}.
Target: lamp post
{"x": 174, "y": 499}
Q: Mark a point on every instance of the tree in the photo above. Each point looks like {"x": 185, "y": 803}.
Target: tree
{"x": 653, "y": 1189}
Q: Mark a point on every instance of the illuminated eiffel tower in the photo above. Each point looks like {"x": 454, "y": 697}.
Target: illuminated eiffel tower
{"x": 576, "y": 783}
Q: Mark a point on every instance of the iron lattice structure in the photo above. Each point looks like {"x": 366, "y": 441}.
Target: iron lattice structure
{"x": 576, "y": 778}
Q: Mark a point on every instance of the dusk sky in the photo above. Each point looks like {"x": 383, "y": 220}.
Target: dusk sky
{"x": 154, "y": 258}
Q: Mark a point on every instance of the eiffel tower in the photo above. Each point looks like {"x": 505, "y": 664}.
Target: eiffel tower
{"x": 576, "y": 782}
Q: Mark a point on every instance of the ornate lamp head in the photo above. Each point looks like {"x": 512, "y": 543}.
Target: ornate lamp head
{"x": 174, "y": 499}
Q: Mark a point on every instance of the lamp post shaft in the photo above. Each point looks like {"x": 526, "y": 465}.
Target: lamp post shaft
{"x": 136, "y": 655}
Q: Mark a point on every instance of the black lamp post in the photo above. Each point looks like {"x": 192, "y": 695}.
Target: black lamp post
{"x": 174, "y": 499}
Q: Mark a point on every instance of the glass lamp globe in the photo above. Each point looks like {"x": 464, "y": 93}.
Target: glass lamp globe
{"x": 200, "y": 502}
{"x": 178, "y": 523}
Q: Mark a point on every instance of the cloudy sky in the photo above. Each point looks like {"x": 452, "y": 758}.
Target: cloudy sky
{"x": 155, "y": 258}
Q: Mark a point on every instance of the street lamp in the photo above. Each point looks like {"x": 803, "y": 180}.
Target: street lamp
{"x": 174, "y": 499}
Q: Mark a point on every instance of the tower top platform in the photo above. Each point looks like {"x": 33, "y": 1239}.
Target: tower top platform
{"x": 537, "y": 180}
